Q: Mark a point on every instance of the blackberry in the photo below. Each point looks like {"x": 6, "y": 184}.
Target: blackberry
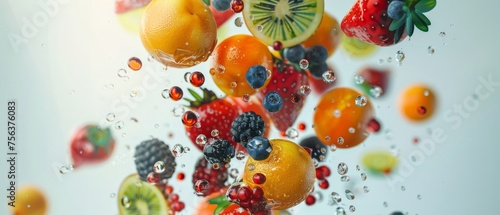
{"x": 246, "y": 126}
{"x": 219, "y": 152}
{"x": 148, "y": 152}
{"x": 216, "y": 177}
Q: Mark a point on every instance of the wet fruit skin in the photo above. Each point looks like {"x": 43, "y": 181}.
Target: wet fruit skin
{"x": 289, "y": 172}
{"x": 329, "y": 127}
{"x": 416, "y": 98}
{"x": 32, "y": 196}
{"x": 231, "y": 60}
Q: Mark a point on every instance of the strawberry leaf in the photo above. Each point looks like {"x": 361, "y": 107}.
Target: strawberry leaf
{"x": 221, "y": 208}
{"x": 424, "y": 18}
{"x": 217, "y": 200}
{"x": 195, "y": 95}
{"x": 419, "y": 22}
{"x": 409, "y": 26}
{"x": 395, "y": 24}
{"x": 425, "y": 5}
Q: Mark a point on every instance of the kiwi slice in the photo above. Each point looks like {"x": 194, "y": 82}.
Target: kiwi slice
{"x": 290, "y": 22}
{"x": 137, "y": 197}
{"x": 355, "y": 47}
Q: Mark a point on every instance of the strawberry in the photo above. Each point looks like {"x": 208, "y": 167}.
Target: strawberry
{"x": 318, "y": 85}
{"x": 122, "y": 6}
{"x": 374, "y": 77}
{"x": 90, "y": 144}
{"x": 221, "y": 17}
{"x": 384, "y": 22}
{"x": 213, "y": 113}
{"x": 286, "y": 80}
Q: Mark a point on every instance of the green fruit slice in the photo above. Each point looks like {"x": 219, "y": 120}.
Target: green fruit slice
{"x": 139, "y": 197}
{"x": 357, "y": 48}
{"x": 290, "y": 22}
{"x": 380, "y": 162}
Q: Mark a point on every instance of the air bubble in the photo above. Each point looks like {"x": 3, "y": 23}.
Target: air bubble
{"x": 358, "y": 79}
{"x": 292, "y": 133}
{"x": 349, "y": 194}
{"x": 159, "y": 167}
{"x": 178, "y": 150}
{"x": 122, "y": 73}
{"x": 400, "y": 56}
{"x": 329, "y": 76}
{"x": 376, "y": 91}
{"x": 342, "y": 168}
{"x": 238, "y": 22}
{"x": 201, "y": 139}
{"x": 304, "y": 64}
{"x": 110, "y": 117}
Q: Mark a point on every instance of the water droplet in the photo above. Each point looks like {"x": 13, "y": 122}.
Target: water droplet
{"x": 327, "y": 138}
{"x": 333, "y": 148}
{"x": 292, "y": 133}
{"x": 119, "y": 125}
{"x": 366, "y": 189}
{"x": 358, "y": 79}
{"x": 240, "y": 155}
{"x": 389, "y": 59}
{"x": 165, "y": 93}
{"x": 352, "y": 208}
{"x": 336, "y": 113}
{"x": 335, "y": 197}
{"x": 363, "y": 176}
{"x": 238, "y": 22}
{"x": 340, "y": 140}
{"x": 419, "y": 197}
{"x": 304, "y": 64}
{"x": 268, "y": 74}
{"x": 345, "y": 178}
{"x": 376, "y": 91}
{"x": 430, "y": 50}
{"x": 351, "y": 130}
{"x": 349, "y": 194}
{"x": 329, "y": 76}
{"x": 201, "y": 139}
{"x": 151, "y": 58}
{"x": 342, "y": 168}
{"x": 305, "y": 90}
{"x": 251, "y": 167}
{"x": 361, "y": 101}
{"x": 112, "y": 195}
{"x": 233, "y": 84}
{"x": 358, "y": 167}
{"x": 122, "y": 73}
{"x": 64, "y": 170}
{"x": 178, "y": 150}
{"x": 134, "y": 63}
{"x": 214, "y": 133}
{"x": 339, "y": 211}
{"x": 153, "y": 178}
{"x": 403, "y": 188}
{"x": 385, "y": 204}
{"x": 246, "y": 98}
{"x": 442, "y": 34}
{"x": 201, "y": 187}
{"x": 133, "y": 94}
{"x": 380, "y": 61}
{"x": 110, "y": 117}
{"x": 159, "y": 167}
{"x": 233, "y": 173}
{"x": 178, "y": 111}
{"x": 126, "y": 202}
{"x": 400, "y": 56}
{"x": 260, "y": 28}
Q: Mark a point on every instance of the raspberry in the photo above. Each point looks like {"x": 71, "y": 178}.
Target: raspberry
{"x": 246, "y": 126}
{"x": 148, "y": 152}
{"x": 219, "y": 152}
{"x": 216, "y": 177}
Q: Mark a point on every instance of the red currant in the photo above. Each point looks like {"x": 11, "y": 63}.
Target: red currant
{"x": 244, "y": 194}
{"x": 324, "y": 184}
{"x": 310, "y": 200}
{"x": 326, "y": 171}
{"x": 259, "y": 178}
{"x": 277, "y": 45}
{"x": 258, "y": 193}
{"x": 319, "y": 174}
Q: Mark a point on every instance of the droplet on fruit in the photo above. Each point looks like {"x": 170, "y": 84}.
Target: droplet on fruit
{"x": 351, "y": 130}
{"x": 259, "y": 28}
{"x": 277, "y": 45}
{"x": 159, "y": 167}
{"x": 201, "y": 139}
{"x": 340, "y": 140}
{"x": 295, "y": 98}
{"x": 349, "y": 194}
{"x": 189, "y": 118}
{"x": 153, "y": 178}
{"x": 214, "y": 133}
{"x": 361, "y": 101}
{"x": 342, "y": 168}
{"x": 201, "y": 187}
{"x": 134, "y": 63}
{"x": 237, "y": 6}
{"x": 126, "y": 202}
{"x": 175, "y": 93}
{"x": 304, "y": 64}
{"x": 333, "y": 148}
{"x": 305, "y": 90}
{"x": 251, "y": 167}
{"x": 246, "y": 98}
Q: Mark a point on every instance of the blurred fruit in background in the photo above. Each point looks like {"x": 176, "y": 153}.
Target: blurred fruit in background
{"x": 30, "y": 200}
{"x": 328, "y": 35}
{"x": 417, "y": 102}
{"x": 341, "y": 117}
{"x": 357, "y": 48}
{"x": 379, "y": 162}
{"x": 375, "y": 81}
{"x": 91, "y": 144}
{"x": 178, "y": 33}
{"x": 129, "y": 13}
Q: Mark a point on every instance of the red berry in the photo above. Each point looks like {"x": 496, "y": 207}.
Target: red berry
{"x": 258, "y": 193}
{"x": 232, "y": 194}
{"x": 174, "y": 197}
{"x": 189, "y": 118}
{"x": 302, "y": 126}
{"x": 319, "y": 174}
{"x": 373, "y": 126}
{"x": 265, "y": 212}
{"x": 180, "y": 176}
{"x": 422, "y": 110}
{"x": 177, "y": 206}
{"x": 309, "y": 150}
{"x": 245, "y": 204}
{"x": 176, "y": 93}
{"x": 324, "y": 184}
{"x": 259, "y": 178}
{"x": 244, "y": 194}
{"x": 277, "y": 45}
{"x": 169, "y": 189}
{"x": 326, "y": 171}
{"x": 310, "y": 200}
{"x": 197, "y": 79}
{"x": 237, "y": 6}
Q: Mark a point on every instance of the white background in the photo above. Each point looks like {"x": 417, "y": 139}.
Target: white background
{"x": 59, "y": 80}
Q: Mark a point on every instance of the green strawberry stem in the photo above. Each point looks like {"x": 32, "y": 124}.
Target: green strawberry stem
{"x": 221, "y": 203}
{"x": 413, "y": 17}
{"x": 208, "y": 96}
{"x": 99, "y": 138}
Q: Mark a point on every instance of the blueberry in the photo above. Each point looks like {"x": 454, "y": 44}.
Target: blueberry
{"x": 295, "y": 53}
{"x": 396, "y": 213}
{"x": 319, "y": 150}
{"x": 273, "y": 102}
{"x": 318, "y": 70}
{"x": 221, "y": 5}
{"x": 395, "y": 10}
{"x": 317, "y": 54}
{"x": 259, "y": 148}
{"x": 256, "y": 76}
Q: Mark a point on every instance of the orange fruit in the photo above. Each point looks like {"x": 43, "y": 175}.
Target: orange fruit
{"x": 231, "y": 60}
{"x": 339, "y": 120}
{"x": 289, "y": 172}
{"x": 328, "y": 35}
{"x": 178, "y": 33}
{"x": 30, "y": 200}
{"x": 417, "y": 102}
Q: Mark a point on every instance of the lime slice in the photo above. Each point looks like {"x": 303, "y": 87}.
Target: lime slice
{"x": 357, "y": 48}
{"x": 139, "y": 197}
{"x": 288, "y": 21}
{"x": 380, "y": 162}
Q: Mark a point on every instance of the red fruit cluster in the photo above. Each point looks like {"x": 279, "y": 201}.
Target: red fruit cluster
{"x": 321, "y": 173}
{"x": 216, "y": 177}
{"x": 173, "y": 198}
{"x": 252, "y": 200}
